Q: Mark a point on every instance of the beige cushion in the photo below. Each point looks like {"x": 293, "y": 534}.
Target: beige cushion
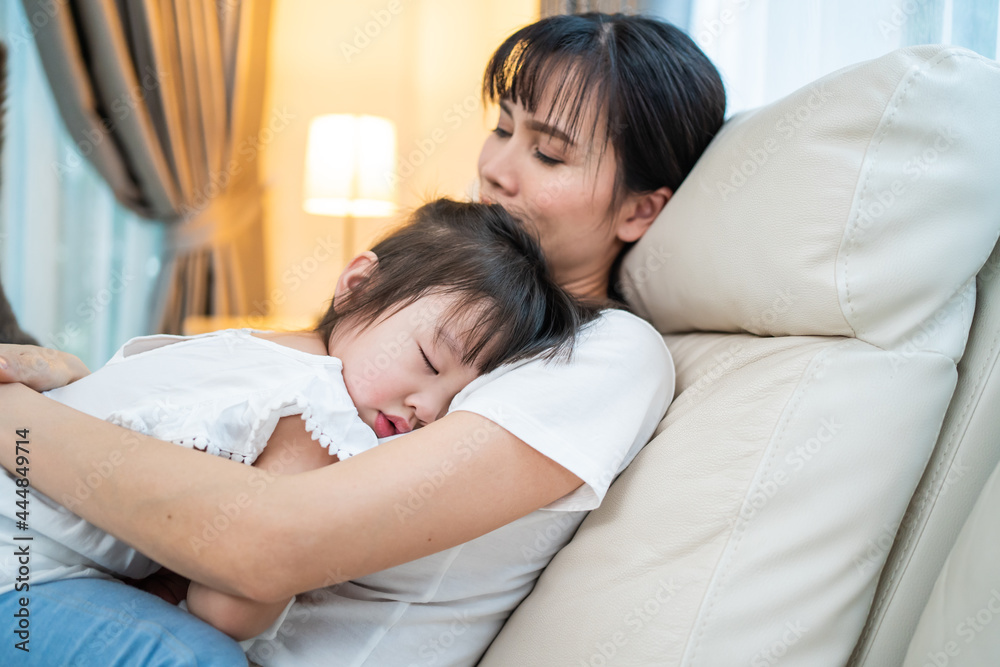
{"x": 754, "y": 527}
{"x": 870, "y": 180}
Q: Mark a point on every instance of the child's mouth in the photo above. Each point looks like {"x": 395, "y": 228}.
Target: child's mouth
{"x": 384, "y": 426}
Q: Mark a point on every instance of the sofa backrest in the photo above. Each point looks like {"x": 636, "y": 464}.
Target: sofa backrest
{"x": 967, "y": 451}
{"x": 815, "y": 280}
{"x": 956, "y": 628}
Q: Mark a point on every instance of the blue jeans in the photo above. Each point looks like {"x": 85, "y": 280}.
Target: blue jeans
{"x": 84, "y": 622}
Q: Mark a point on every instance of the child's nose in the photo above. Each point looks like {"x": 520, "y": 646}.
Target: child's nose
{"x": 430, "y": 406}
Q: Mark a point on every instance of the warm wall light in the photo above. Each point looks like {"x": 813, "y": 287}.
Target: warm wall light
{"x": 349, "y": 168}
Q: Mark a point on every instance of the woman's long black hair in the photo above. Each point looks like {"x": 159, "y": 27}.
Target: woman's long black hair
{"x": 660, "y": 99}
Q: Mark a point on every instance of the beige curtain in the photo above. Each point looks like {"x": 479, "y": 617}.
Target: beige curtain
{"x": 553, "y": 7}
{"x": 10, "y": 332}
{"x": 164, "y": 97}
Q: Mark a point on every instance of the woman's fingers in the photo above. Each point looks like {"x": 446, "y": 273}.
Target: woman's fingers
{"x": 38, "y": 367}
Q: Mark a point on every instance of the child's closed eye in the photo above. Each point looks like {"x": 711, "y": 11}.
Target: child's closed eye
{"x": 427, "y": 361}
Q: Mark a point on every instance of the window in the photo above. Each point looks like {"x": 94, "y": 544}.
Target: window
{"x": 79, "y": 269}
{"x": 766, "y": 49}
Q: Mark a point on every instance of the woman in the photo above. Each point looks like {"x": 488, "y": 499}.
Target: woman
{"x": 430, "y": 540}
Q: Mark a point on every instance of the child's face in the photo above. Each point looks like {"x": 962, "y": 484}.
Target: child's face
{"x": 403, "y": 371}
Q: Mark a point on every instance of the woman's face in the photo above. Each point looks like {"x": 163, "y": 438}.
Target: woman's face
{"x": 560, "y": 185}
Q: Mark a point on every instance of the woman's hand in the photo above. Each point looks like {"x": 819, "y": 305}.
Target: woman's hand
{"x": 38, "y": 367}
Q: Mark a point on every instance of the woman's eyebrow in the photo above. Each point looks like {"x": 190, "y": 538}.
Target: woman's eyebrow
{"x": 539, "y": 126}
{"x": 551, "y": 130}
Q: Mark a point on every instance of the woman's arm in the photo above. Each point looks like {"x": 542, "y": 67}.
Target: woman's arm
{"x": 39, "y": 367}
{"x": 266, "y": 537}
{"x": 290, "y": 450}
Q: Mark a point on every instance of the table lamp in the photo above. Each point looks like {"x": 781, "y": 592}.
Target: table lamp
{"x": 350, "y": 162}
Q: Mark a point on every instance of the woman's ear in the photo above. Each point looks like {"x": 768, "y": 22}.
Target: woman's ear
{"x": 640, "y": 212}
{"x": 354, "y": 274}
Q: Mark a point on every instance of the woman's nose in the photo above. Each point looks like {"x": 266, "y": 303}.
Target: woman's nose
{"x": 497, "y": 169}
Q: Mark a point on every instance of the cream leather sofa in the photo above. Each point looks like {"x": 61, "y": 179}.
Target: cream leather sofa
{"x": 825, "y": 282}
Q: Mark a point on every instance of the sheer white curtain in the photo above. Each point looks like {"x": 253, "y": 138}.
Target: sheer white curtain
{"x": 765, "y": 49}
{"x": 78, "y": 268}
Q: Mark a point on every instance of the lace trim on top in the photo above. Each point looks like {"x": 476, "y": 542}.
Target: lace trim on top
{"x": 343, "y": 446}
{"x": 202, "y": 443}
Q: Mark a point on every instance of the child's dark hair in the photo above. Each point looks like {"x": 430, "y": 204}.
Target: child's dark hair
{"x": 483, "y": 256}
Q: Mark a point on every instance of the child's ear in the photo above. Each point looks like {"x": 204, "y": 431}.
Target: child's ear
{"x": 640, "y": 212}
{"x": 354, "y": 274}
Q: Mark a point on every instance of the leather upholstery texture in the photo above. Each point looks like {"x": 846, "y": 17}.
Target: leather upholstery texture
{"x": 958, "y": 628}
{"x": 815, "y": 280}
{"x": 967, "y": 451}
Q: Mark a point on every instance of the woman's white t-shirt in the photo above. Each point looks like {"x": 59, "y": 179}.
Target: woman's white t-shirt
{"x": 591, "y": 415}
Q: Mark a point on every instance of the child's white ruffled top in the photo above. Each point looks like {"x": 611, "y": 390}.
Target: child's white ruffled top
{"x": 222, "y": 393}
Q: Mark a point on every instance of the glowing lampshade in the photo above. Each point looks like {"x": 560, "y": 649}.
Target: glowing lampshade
{"x": 349, "y": 166}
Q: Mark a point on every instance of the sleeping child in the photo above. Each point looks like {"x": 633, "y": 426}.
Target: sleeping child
{"x": 458, "y": 291}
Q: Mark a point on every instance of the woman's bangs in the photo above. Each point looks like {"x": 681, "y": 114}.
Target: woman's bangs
{"x": 524, "y": 70}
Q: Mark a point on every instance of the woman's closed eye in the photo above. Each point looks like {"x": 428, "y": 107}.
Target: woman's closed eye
{"x": 427, "y": 361}
{"x": 546, "y": 159}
